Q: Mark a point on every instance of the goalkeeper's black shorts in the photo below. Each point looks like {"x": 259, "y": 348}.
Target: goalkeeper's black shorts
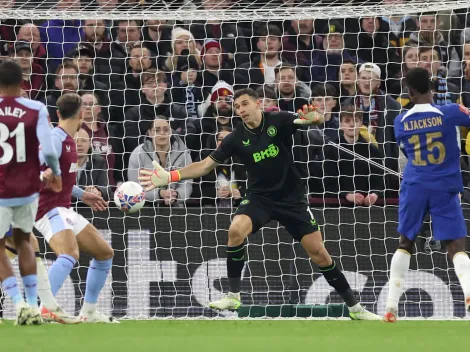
{"x": 296, "y": 217}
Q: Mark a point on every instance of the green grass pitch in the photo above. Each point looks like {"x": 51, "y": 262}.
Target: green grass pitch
{"x": 239, "y": 336}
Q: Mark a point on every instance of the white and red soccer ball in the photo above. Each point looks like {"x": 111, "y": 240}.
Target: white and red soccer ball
{"x": 129, "y": 197}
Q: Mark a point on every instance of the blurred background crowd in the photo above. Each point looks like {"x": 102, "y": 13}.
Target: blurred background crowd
{"x": 162, "y": 90}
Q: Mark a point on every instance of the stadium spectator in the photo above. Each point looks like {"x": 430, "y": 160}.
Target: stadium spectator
{"x": 216, "y": 112}
{"x": 171, "y": 153}
{"x": 225, "y": 185}
{"x": 33, "y": 78}
{"x": 356, "y": 180}
{"x": 347, "y": 77}
{"x": 445, "y": 92}
{"x": 230, "y": 34}
{"x": 399, "y": 27}
{"x": 181, "y": 39}
{"x": 410, "y": 60}
{"x": 374, "y": 46}
{"x": 98, "y": 38}
{"x": 83, "y": 56}
{"x": 465, "y": 40}
{"x": 92, "y": 168}
{"x": 428, "y": 36}
{"x": 157, "y": 38}
{"x": 8, "y": 29}
{"x": 112, "y": 65}
{"x": 128, "y": 35}
{"x": 268, "y": 99}
{"x": 326, "y": 62}
{"x": 127, "y": 93}
{"x": 379, "y": 112}
{"x": 260, "y": 70}
{"x": 156, "y": 101}
{"x": 97, "y": 129}
{"x": 324, "y": 98}
{"x": 292, "y": 94}
{"x": 61, "y": 36}
{"x": 298, "y": 46}
{"x": 186, "y": 89}
{"x": 30, "y": 33}
{"x": 215, "y": 68}
{"x": 464, "y": 84}
{"x": 66, "y": 81}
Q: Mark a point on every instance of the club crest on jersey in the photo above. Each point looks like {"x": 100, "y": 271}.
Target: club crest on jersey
{"x": 272, "y": 131}
{"x": 73, "y": 168}
{"x": 67, "y": 147}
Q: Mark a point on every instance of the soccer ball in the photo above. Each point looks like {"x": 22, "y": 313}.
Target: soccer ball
{"x": 129, "y": 197}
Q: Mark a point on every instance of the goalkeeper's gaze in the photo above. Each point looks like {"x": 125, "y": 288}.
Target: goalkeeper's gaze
{"x": 275, "y": 192}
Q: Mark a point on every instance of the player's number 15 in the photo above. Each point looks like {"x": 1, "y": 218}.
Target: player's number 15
{"x": 431, "y": 144}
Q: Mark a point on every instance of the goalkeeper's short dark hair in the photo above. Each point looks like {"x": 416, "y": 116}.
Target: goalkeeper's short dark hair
{"x": 246, "y": 91}
{"x": 69, "y": 105}
{"x": 10, "y": 74}
{"x": 419, "y": 80}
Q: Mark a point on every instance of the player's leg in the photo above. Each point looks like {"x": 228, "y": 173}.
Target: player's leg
{"x": 449, "y": 227}
{"x": 300, "y": 223}
{"x": 238, "y": 231}
{"x": 50, "y": 309}
{"x": 22, "y": 224}
{"x": 251, "y": 215}
{"x": 399, "y": 266}
{"x": 456, "y": 252}
{"x": 7, "y": 276}
{"x": 57, "y": 228}
{"x": 92, "y": 243}
{"x": 413, "y": 207}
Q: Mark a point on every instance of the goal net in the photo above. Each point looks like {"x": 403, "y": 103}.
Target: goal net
{"x": 157, "y": 79}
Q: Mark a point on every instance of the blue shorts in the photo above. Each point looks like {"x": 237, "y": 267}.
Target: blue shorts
{"x": 446, "y": 213}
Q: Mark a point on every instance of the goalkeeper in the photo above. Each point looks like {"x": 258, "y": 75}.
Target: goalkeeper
{"x": 275, "y": 191}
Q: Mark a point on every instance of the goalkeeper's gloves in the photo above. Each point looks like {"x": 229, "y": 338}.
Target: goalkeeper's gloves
{"x": 308, "y": 116}
{"x": 158, "y": 177}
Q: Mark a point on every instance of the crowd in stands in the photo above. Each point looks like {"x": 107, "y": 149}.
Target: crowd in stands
{"x": 161, "y": 90}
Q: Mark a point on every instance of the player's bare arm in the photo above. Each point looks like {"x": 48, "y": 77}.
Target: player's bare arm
{"x": 158, "y": 177}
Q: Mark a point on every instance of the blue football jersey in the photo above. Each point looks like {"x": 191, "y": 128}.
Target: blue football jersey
{"x": 429, "y": 137}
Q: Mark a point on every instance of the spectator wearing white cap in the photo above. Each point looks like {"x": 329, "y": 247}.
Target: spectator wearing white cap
{"x": 215, "y": 66}
{"x": 379, "y": 111}
{"x": 181, "y": 39}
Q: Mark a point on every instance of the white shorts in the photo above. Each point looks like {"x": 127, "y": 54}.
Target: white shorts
{"x": 60, "y": 219}
{"x": 21, "y": 217}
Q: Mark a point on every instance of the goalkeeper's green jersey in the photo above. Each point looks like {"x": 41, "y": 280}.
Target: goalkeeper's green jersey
{"x": 266, "y": 152}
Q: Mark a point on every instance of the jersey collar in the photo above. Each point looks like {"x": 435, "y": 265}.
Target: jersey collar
{"x": 262, "y": 126}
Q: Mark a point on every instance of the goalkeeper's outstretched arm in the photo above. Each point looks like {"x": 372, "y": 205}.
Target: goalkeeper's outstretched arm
{"x": 158, "y": 177}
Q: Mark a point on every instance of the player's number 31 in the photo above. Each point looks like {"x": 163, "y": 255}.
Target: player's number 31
{"x": 432, "y": 144}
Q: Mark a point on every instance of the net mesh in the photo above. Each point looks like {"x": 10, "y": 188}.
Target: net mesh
{"x": 180, "y": 62}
